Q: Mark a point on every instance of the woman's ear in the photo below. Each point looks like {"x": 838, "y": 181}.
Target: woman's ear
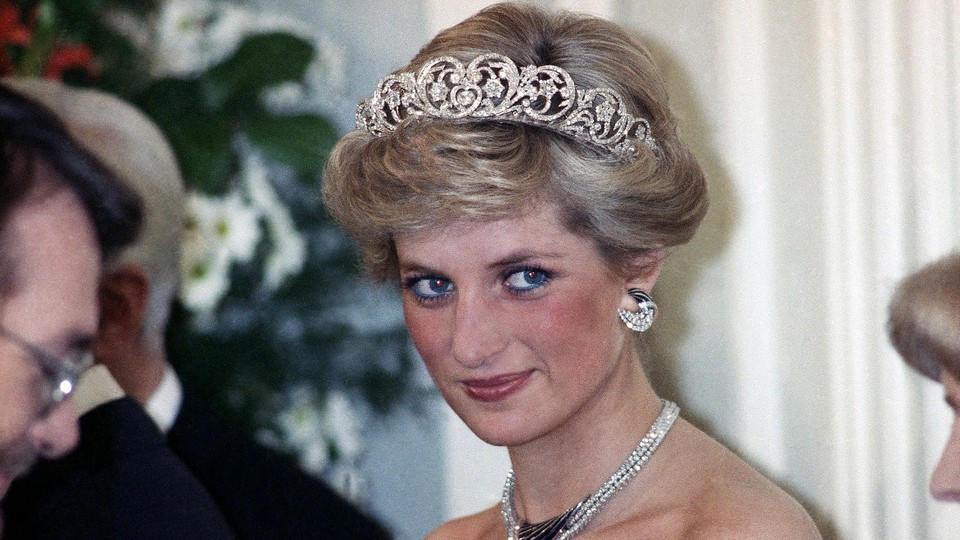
{"x": 642, "y": 272}
{"x": 124, "y": 293}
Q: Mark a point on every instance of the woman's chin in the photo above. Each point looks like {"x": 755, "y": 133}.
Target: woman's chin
{"x": 502, "y": 429}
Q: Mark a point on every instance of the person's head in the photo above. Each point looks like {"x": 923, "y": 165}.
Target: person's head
{"x": 429, "y": 171}
{"x": 61, "y": 215}
{"x": 476, "y": 164}
{"x": 924, "y": 328}
{"x": 139, "y": 284}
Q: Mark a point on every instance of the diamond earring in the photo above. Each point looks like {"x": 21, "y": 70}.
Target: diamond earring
{"x": 640, "y": 320}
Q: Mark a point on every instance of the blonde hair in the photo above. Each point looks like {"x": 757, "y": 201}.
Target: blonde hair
{"x": 924, "y": 323}
{"x": 134, "y": 150}
{"x": 430, "y": 172}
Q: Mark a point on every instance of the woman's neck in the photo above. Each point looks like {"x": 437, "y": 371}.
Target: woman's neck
{"x": 556, "y": 471}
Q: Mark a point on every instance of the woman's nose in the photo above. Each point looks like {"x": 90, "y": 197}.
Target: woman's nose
{"x": 58, "y": 432}
{"x": 479, "y": 331}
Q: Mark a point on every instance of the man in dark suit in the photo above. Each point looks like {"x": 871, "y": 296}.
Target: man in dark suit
{"x": 259, "y": 492}
{"x": 60, "y": 215}
{"x": 122, "y": 481}
{"x": 262, "y": 494}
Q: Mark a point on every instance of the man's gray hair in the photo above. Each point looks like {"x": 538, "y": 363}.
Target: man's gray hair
{"x": 134, "y": 149}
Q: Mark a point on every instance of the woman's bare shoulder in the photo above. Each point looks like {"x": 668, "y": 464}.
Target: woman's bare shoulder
{"x": 485, "y": 524}
{"x": 754, "y": 513}
{"x": 731, "y": 499}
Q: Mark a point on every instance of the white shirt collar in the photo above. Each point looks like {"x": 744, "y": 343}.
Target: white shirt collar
{"x": 164, "y": 405}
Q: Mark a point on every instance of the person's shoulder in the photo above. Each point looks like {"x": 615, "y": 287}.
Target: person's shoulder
{"x": 485, "y": 524}
{"x": 730, "y": 499}
{"x": 763, "y": 515}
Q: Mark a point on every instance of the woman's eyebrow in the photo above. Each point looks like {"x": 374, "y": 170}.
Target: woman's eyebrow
{"x": 416, "y": 267}
{"x": 518, "y": 257}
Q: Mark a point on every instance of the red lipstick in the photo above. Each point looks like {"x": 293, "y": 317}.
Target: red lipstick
{"x": 496, "y": 388}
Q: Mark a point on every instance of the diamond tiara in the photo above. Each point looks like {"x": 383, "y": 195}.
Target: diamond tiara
{"x": 493, "y": 87}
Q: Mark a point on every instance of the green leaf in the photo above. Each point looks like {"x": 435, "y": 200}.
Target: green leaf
{"x": 77, "y": 13}
{"x": 202, "y": 144}
{"x": 42, "y": 42}
{"x": 201, "y": 139}
{"x": 260, "y": 61}
{"x": 168, "y": 100}
{"x": 300, "y": 141}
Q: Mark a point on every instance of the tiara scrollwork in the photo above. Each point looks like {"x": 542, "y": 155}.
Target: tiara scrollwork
{"x": 493, "y": 87}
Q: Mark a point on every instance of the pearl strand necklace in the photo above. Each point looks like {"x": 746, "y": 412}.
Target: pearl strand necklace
{"x": 578, "y": 517}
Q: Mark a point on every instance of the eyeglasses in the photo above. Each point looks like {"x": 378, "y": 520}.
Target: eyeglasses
{"x": 60, "y": 373}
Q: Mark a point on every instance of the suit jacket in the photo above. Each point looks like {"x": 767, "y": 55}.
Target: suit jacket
{"x": 122, "y": 482}
{"x": 261, "y": 493}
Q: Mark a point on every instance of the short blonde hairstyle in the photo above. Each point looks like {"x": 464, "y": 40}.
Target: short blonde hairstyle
{"x": 924, "y": 323}
{"x": 431, "y": 172}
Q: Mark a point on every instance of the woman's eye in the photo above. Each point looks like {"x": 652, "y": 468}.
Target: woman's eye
{"x": 430, "y": 288}
{"x": 527, "y": 279}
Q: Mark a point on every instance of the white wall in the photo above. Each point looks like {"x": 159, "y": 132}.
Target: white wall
{"x": 830, "y": 132}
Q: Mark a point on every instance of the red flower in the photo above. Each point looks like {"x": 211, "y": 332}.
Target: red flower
{"x": 12, "y": 29}
{"x": 69, "y": 57}
{"x": 12, "y": 32}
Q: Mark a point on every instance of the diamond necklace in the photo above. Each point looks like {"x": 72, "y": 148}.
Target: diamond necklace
{"x": 573, "y": 520}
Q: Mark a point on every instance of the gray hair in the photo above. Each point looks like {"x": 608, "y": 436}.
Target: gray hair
{"x": 924, "y": 324}
{"x": 136, "y": 152}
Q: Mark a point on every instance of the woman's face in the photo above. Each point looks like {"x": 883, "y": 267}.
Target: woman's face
{"x": 945, "y": 482}
{"x": 516, "y": 321}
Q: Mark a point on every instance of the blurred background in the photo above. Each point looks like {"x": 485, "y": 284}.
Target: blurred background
{"x": 830, "y": 134}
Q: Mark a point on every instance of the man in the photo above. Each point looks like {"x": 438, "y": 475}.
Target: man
{"x": 122, "y": 481}
{"x": 61, "y": 213}
{"x": 924, "y": 327}
{"x": 260, "y": 493}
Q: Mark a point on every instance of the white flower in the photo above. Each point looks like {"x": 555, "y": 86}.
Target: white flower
{"x": 343, "y": 426}
{"x": 193, "y": 35}
{"x": 284, "y": 98}
{"x": 289, "y": 246}
{"x": 289, "y": 249}
{"x": 203, "y": 271}
{"x": 128, "y": 24}
{"x": 255, "y": 178}
{"x": 198, "y": 246}
{"x": 218, "y": 232}
{"x": 347, "y": 480}
{"x": 206, "y": 283}
{"x": 315, "y": 457}
{"x": 301, "y": 426}
{"x": 309, "y": 428}
{"x": 180, "y": 28}
{"x": 237, "y": 227}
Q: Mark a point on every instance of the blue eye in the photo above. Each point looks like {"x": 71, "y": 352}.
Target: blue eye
{"x": 527, "y": 279}
{"x": 430, "y": 288}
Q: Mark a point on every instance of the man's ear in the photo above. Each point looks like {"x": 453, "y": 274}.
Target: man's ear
{"x": 124, "y": 293}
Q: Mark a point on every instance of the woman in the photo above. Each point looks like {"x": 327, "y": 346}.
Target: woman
{"x": 924, "y": 327}
{"x": 522, "y": 179}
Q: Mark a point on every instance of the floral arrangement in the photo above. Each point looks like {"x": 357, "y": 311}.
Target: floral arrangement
{"x": 272, "y": 325}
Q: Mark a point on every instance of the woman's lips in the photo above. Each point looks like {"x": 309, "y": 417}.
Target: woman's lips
{"x": 496, "y": 388}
